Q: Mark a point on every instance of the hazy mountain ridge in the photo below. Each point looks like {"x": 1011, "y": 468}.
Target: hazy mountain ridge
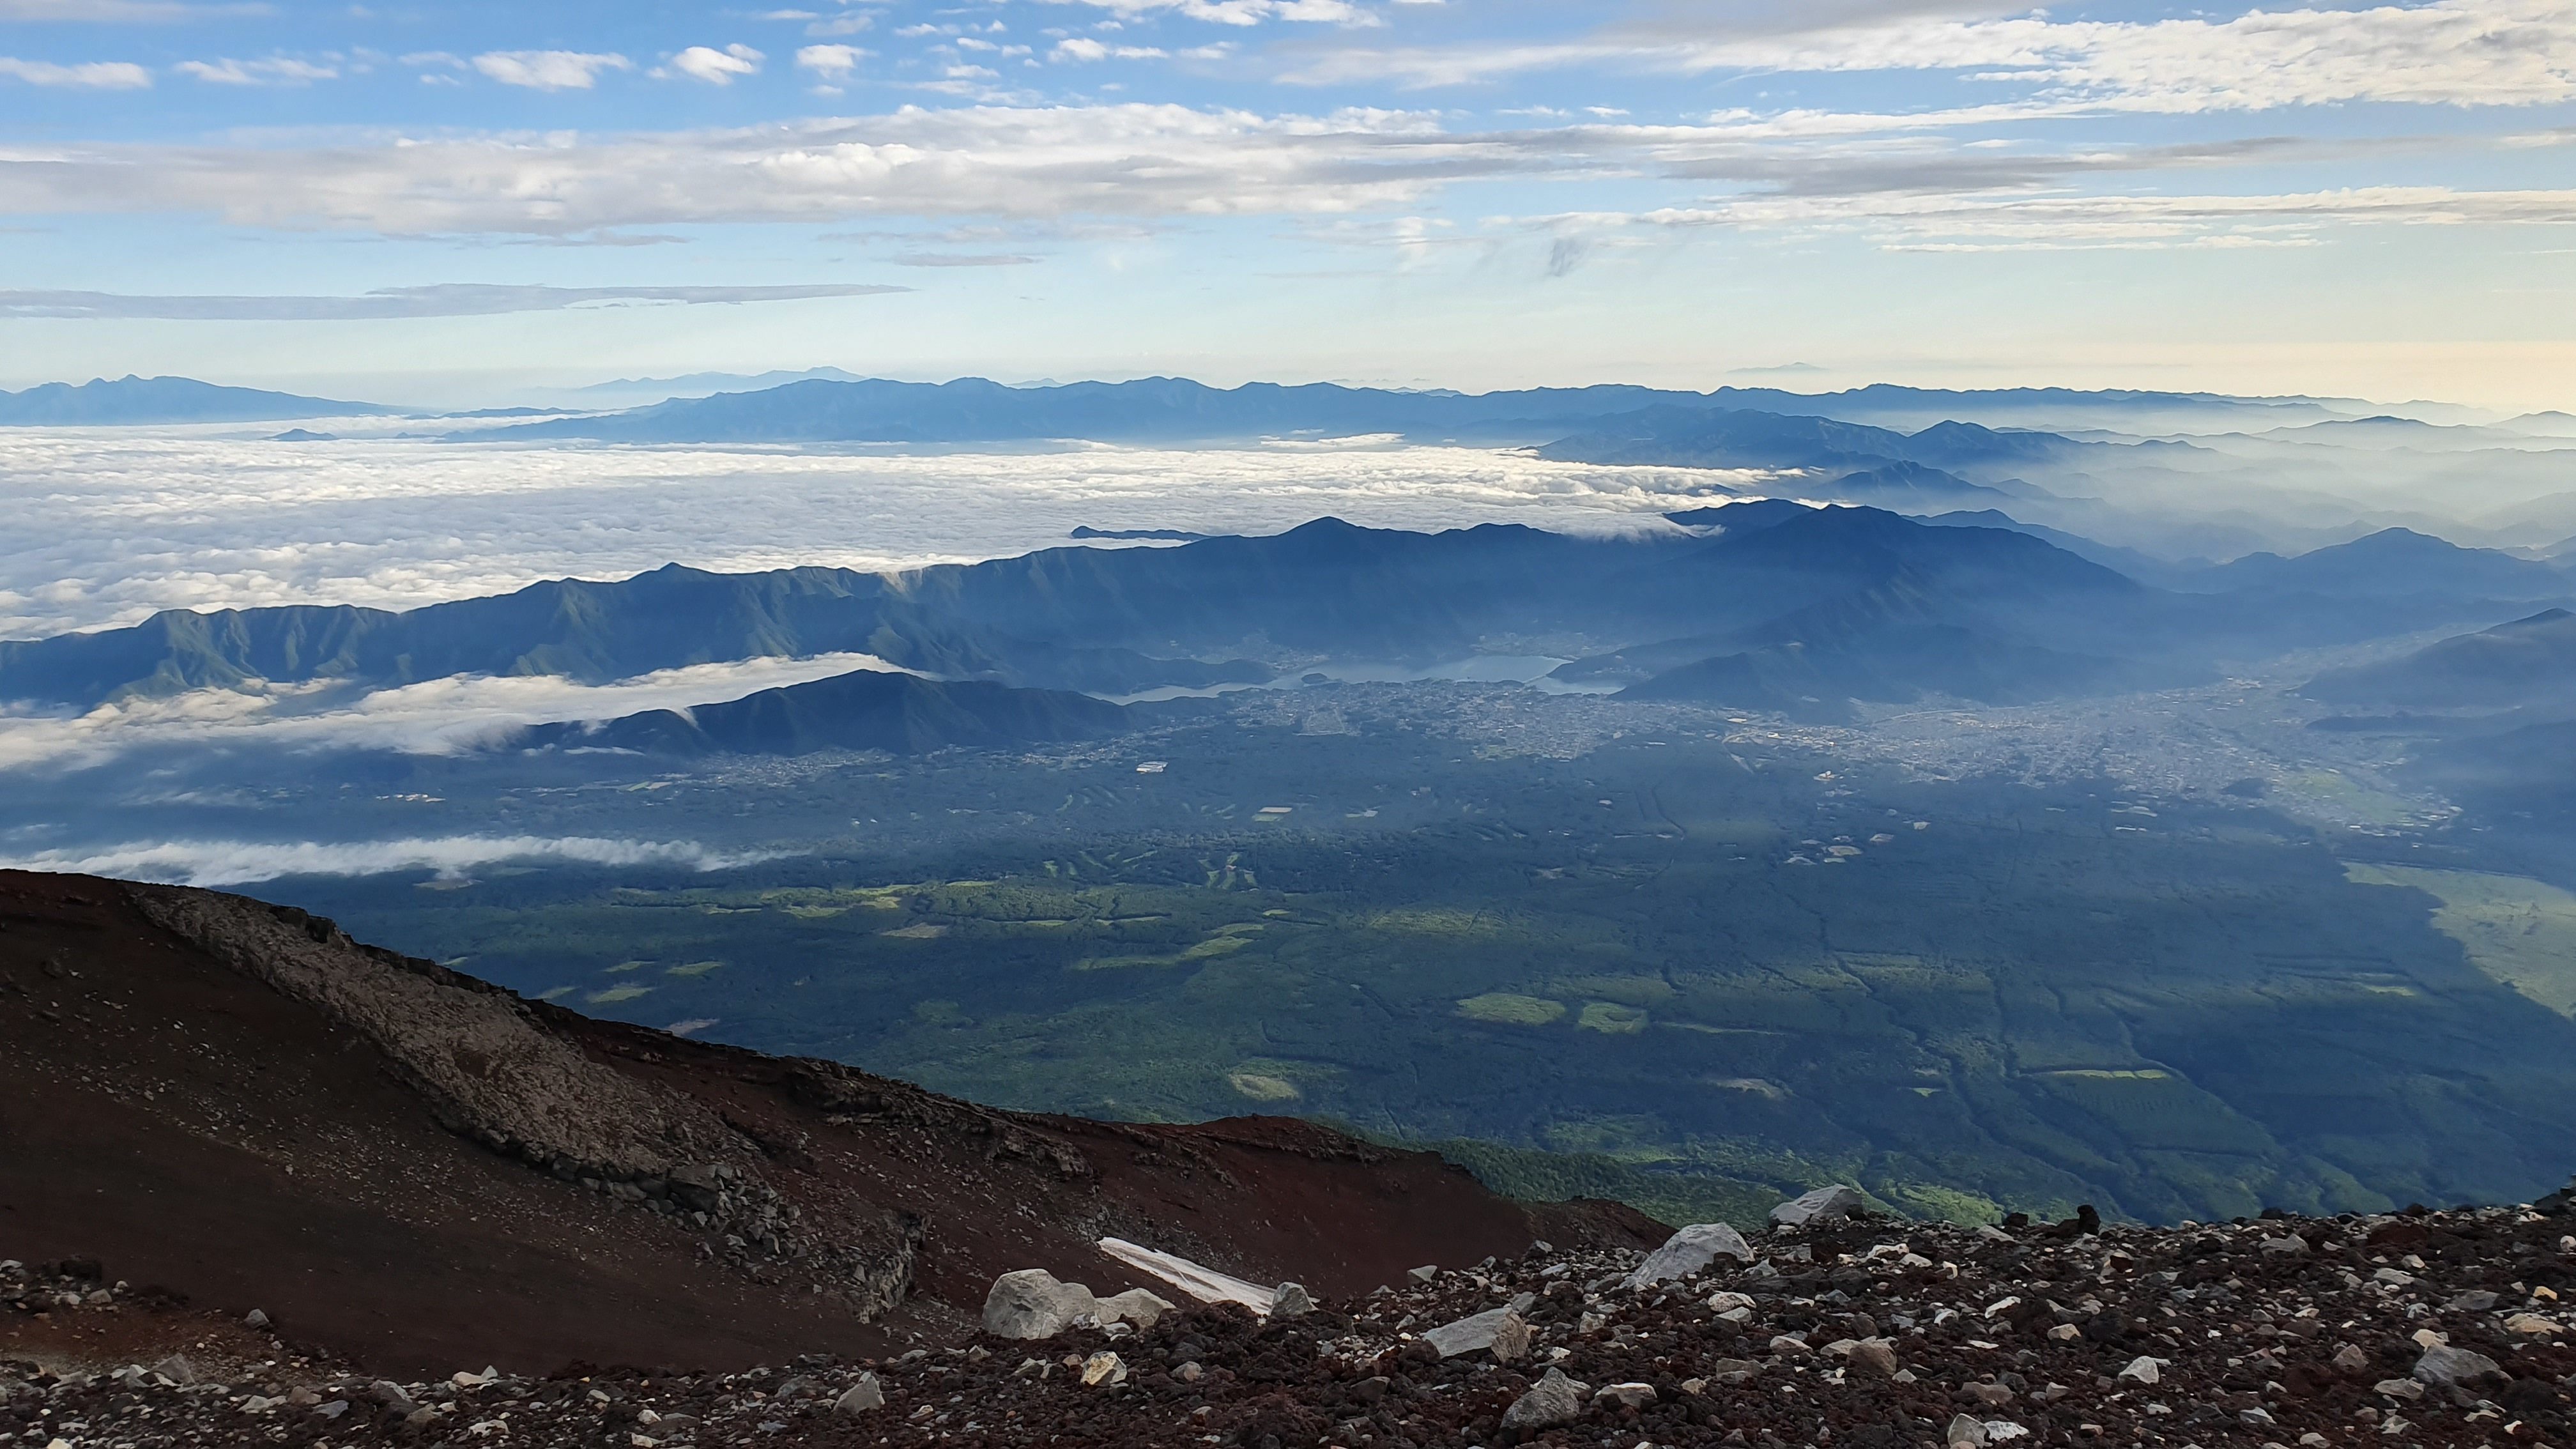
{"x": 103, "y": 402}
{"x": 901, "y": 714}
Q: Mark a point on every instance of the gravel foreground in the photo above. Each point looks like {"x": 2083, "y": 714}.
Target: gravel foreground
{"x": 2422, "y": 1328}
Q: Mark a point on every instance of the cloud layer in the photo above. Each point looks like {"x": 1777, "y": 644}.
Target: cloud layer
{"x": 242, "y": 862}
{"x": 453, "y": 299}
{"x": 107, "y": 527}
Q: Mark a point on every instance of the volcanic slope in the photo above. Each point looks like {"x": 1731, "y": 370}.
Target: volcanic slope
{"x": 410, "y": 1168}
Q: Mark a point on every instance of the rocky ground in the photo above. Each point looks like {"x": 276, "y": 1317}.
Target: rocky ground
{"x": 2423, "y": 1328}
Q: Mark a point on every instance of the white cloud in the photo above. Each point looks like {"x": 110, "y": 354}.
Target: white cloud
{"x": 275, "y": 71}
{"x": 548, "y": 70}
{"x": 435, "y": 717}
{"x": 830, "y": 60}
{"x": 717, "y": 67}
{"x": 120, "y": 11}
{"x": 2451, "y": 52}
{"x": 451, "y": 299}
{"x": 97, "y": 75}
{"x": 1084, "y": 48}
{"x": 108, "y": 526}
{"x": 243, "y": 862}
{"x": 1240, "y": 12}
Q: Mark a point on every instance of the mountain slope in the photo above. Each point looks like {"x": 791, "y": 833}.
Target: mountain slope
{"x": 239, "y": 1103}
{"x": 2527, "y": 662}
{"x": 100, "y": 402}
{"x": 2391, "y": 564}
{"x": 902, "y": 714}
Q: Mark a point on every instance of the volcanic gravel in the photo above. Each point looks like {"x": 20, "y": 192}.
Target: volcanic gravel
{"x": 2423, "y": 1328}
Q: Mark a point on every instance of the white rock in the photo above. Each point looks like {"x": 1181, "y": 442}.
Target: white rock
{"x": 1134, "y": 1306}
{"x": 2142, "y": 1370}
{"x": 1103, "y": 1368}
{"x": 1475, "y": 1332}
{"x": 1689, "y": 1251}
{"x": 1553, "y": 1400}
{"x": 1824, "y": 1205}
{"x": 1032, "y": 1303}
{"x": 865, "y": 1396}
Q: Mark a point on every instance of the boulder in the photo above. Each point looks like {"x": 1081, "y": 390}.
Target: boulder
{"x": 1135, "y": 1306}
{"x": 1824, "y": 1205}
{"x": 1553, "y": 1400}
{"x": 865, "y": 1396}
{"x": 2446, "y": 1367}
{"x": 1688, "y": 1251}
{"x": 1476, "y": 1331}
{"x": 1031, "y": 1303}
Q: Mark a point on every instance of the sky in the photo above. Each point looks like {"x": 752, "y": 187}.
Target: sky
{"x": 434, "y": 203}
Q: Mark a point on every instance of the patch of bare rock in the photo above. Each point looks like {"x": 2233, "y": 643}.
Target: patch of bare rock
{"x": 2422, "y": 1328}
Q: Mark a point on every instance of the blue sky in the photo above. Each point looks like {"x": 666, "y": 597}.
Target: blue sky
{"x": 454, "y": 200}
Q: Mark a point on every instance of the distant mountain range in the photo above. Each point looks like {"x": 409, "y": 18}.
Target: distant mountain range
{"x": 130, "y": 400}
{"x": 1177, "y": 410}
{"x": 901, "y": 714}
{"x": 1766, "y": 605}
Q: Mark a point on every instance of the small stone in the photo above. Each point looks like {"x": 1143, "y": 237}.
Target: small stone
{"x": 864, "y": 1397}
{"x": 2285, "y": 1246}
{"x": 254, "y": 1319}
{"x": 2142, "y": 1370}
{"x": 2066, "y": 1332}
{"x": 2398, "y": 1389}
{"x": 1511, "y": 1339}
{"x": 1634, "y": 1396}
{"x": 1688, "y": 1251}
{"x": 1723, "y": 1303}
{"x": 1291, "y": 1300}
{"x": 1032, "y": 1303}
{"x": 1476, "y": 1331}
{"x": 1995, "y": 1396}
{"x": 2351, "y": 1360}
{"x": 2475, "y": 1301}
{"x": 1103, "y": 1368}
{"x": 1553, "y": 1400}
{"x": 1423, "y": 1274}
{"x": 1824, "y": 1205}
{"x": 176, "y": 1369}
{"x": 2532, "y": 1324}
{"x": 1965, "y": 1432}
{"x": 1189, "y": 1373}
{"x": 1873, "y": 1355}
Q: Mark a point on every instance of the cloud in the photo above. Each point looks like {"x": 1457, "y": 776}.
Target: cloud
{"x": 1083, "y": 49}
{"x": 434, "y": 717}
{"x": 956, "y": 259}
{"x": 117, "y": 12}
{"x": 717, "y": 67}
{"x": 107, "y": 527}
{"x": 548, "y": 70}
{"x": 830, "y": 60}
{"x": 451, "y": 299}
{"x": 243, "y": 862}
{"x": 1239, "y": 12}
{"x": 2451, "y": 52}
{"x": 272, "y": 72}
{"x": 97, "y": 75}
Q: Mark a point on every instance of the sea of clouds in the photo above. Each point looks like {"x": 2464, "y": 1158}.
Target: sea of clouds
{"x": 109, "y": 525}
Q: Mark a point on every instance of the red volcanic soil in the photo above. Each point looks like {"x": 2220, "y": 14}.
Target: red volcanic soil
{"x": 414, "y": 1170}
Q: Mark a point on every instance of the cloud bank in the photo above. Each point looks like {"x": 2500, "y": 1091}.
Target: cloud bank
{"x": 242, "y": 862}
{"x": 450, "y": 299}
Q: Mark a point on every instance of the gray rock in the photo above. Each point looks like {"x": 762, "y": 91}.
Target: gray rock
{"x": 2446, "y": 1367}
{"x": 1476, "y": 1331}
{"x": 1824, "y": 1205}
{"x": 1423, "y": 1274}
{"x": 1688, "y": 1251}
{"x": 1635, "y": 1396}
{"x": 865, "y": 1396}
{"x": 1291, "y": 1300}
{"x": 1553, "y": 1400}
{"x": 254, "y": 1319}
{"x": 1032, "y": 1303}
{"x": 1511, "y": 1339}
{"x": 2475, "y": 1301}
{"x": 1875, "y": 1356}
{"x": 1965, "y": 1432}
{"x": 1135, "y": 1306}
{"x": 176, "y": 1369}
